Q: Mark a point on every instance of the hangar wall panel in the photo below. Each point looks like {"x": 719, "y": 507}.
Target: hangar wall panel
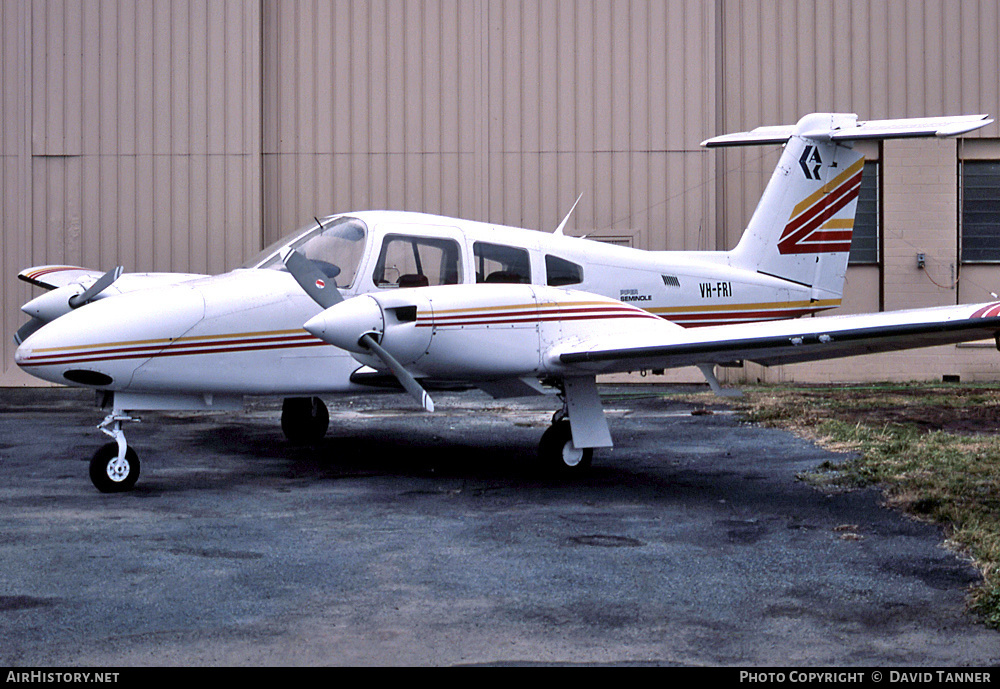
{"x": 145, "y": 133}
{"x": 14, "y": 171}
{"x": 498, "y": 110}
{"x": 141, "y": 137}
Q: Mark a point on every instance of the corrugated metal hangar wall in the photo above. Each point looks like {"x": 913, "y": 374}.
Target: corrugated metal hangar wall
{"x": 185, "y": 134}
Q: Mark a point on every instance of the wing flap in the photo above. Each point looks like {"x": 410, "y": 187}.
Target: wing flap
{"x": 784, "y": 342}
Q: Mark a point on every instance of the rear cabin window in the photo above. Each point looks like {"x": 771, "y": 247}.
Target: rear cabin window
{"x": 560, "y": 272}
{"x": 407, "y": 261}
{"x": 499, "y": 263}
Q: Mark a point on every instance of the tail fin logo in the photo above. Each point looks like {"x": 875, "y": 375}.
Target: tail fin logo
{"x": 810, "y": 156}
{"x": 812, "y": 227}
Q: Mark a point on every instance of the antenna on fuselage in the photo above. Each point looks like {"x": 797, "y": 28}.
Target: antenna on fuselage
{"x": 562, "y": 225}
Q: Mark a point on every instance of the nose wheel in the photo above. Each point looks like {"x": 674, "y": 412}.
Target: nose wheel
{"x": 115, "y": 466}
{"x": 111, "y": 474}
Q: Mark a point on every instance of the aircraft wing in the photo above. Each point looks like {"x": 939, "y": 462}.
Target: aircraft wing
{"x": 782, "y": 342}
{"x": 54, "y": 276}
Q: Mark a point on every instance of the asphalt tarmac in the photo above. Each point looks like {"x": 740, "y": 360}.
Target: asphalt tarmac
{"x": 407, "y": 538}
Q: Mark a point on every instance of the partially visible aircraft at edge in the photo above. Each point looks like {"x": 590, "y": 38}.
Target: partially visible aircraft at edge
{"x": 378, "y": 299}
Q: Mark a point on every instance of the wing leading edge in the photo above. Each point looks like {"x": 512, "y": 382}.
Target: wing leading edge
{"x": 783, "y": 342}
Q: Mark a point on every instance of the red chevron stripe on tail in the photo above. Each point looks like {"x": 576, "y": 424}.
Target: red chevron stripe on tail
{"x": 814, "y": 230}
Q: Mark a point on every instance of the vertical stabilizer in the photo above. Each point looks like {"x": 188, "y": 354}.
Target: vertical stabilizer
{"x": 801, "y": 230}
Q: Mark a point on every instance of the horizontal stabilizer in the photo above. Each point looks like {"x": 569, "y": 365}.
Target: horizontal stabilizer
{"x": 842, "y": 127}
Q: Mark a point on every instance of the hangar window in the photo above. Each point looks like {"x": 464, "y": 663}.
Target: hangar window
{"x": 559, "y": 272}
{"x": 980, "y": 211}
{"x": 407, "y": 261}
{"x": 499, "y": 263}
{"x": 865, "y": 240}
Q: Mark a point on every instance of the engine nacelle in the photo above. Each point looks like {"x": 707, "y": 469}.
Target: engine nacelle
{"x": 481, "y": 332}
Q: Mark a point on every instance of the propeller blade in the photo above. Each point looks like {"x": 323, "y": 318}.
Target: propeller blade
{"x": 312, "y": 280}
{"x": 102, "y": 284}
{"x": 25, "y": 330}
{"x": 406, "y": 379}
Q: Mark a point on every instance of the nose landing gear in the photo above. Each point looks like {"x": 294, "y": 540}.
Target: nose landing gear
{"x": 115, "y": 466}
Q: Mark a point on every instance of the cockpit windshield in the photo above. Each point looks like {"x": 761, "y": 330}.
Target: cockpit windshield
{"x": 335, "y": 245}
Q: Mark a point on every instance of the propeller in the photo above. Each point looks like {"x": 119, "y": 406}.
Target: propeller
{"x": 99, "y": 286}
{"x": 54, "y": 304}
{"x": 404, "y": 377}
{"x": 341, "y": 326}
{"x": 311, "y": 279}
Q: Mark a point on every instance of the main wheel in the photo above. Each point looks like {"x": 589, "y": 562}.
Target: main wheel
{"x": 304, "y": 420}
{"x": 111, "y": 476}
{"x": 558, "y": 454}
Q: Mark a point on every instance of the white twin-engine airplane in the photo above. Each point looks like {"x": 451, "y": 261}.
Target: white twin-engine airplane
{"x": 392, "y": 299}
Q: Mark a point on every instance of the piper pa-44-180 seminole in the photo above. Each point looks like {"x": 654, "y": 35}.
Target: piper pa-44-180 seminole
{"x": 370, "y": 299}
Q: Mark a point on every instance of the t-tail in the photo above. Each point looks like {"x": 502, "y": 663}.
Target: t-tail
{"x": 801, "y": 230}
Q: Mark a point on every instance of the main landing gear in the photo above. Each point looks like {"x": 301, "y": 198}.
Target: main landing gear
{"x": 558, "y": 453}
{"x": 567, "y": 447}
{"x": 115, "y": 466}
{"x": 304, "y": 420}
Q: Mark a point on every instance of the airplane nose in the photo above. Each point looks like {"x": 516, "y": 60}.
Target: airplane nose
{"x": 343, "y": 324}
{"x": 102, "y": 343}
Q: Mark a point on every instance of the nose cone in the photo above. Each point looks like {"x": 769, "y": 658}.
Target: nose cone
{"x": 102, "y": 343}
{"x": 343, "y": 324}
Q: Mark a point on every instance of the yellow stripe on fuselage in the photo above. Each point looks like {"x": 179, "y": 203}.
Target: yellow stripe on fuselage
{"x": 166, "y": 341}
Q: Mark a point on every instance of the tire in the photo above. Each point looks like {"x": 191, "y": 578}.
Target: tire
{"x": 107, "y": 476}
{"x": 304, "y": 420}
{"x": 558, "y": 454}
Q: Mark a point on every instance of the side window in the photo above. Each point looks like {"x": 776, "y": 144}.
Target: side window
{"x": 408, "y": 261}
{"x": 559, "y": 272}
{"x": 499, "y": 263}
